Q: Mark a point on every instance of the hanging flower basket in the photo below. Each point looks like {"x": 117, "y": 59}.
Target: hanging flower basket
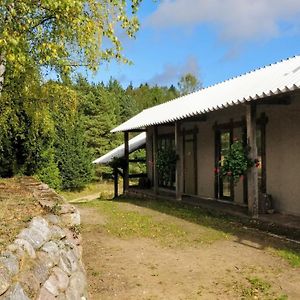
{"x": 236, "y": 162}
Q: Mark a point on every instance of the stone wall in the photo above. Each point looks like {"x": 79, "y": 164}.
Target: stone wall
{"x": 44, "y": 262}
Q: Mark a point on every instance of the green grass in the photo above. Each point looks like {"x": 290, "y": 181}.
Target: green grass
{"x": 192, "y": 214}
{"x": 103, "y": 189}
{"x": 291, "y": 256}
{"x": 257, "y": 288}
{"x": 124, "y": 222}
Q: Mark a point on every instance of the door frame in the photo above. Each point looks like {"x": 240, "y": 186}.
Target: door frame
{"x": 218, "y": 180}
{"x": 261, "y": 123}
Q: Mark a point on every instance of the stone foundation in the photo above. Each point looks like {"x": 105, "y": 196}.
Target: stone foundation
{"x": 44, "y": 262}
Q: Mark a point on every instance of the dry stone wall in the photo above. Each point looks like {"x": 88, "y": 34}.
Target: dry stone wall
{"x": 44, "y": 262}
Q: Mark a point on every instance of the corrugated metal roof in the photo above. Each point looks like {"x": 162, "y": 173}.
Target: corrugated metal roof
{"x": 134, "y": 144}
{"x": 277, "y": 78}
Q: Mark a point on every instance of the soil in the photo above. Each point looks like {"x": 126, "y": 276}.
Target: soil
{"x": 237, "y": 268}
{"x": 17, "y": 208}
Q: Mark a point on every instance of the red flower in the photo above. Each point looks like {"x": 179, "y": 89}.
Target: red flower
{"x": 229, "y": 173}
{"x": 217, "y": 170}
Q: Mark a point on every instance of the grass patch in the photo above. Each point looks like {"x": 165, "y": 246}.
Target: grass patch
{"x": 192, "y": 214}
{"x": 124, "y": 222}
{"x": 103, "y": 189}
{"x": 291, "y": 256}
{"x": 257, "y": 289}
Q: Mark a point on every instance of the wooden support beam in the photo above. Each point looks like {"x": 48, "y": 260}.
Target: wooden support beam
{"x": 126, "y": 166}
{"x": 252, "y": 174}
{"x": 199, "y": 118}
{"x": 276, "y": 100}
{"x": 138, "y": 175}
{"x": 135, "y": 130}
{"x": 155, "y": 171}
{"x": 179, "y": 169}
{"x": 120, "y": 173}
{"x": 137, "y": 160}
{"x": 116, "y": 183}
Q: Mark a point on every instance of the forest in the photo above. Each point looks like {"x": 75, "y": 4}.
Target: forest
{"x": 53, "y": 129}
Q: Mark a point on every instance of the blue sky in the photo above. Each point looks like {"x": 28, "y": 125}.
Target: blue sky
{"x": 215, "y": 40}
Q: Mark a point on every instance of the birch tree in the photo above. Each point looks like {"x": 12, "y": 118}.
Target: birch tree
{"x": 63, "y": 34}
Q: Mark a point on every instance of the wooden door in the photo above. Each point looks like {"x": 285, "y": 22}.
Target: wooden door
{"x": 190, "y": 164}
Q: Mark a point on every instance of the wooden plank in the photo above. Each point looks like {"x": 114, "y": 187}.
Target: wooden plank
{"x": 126, "y": 166}
{"x": 195, "y": 148}
{"x": 252, "y": 173}
{"x": 245, "y": 179}
{"x": 178, "y": 172}
{"x": 137, "y": 160}
{"x": 183, "y": 161}
{"x": 231, "y": 142}
{"x": 138, "y": 175}
{"x": 217, "y": 159}
{"x": 116, "y": 183}
{"x": 155, "y": 171}
{"x": 135, "y": 130}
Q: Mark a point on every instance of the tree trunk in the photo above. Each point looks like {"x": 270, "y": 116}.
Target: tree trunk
{"x": 2, "y": 71}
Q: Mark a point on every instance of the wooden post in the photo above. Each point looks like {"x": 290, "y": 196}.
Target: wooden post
{"x": 126, "y": 166}
{"x": 252, "y": 174}
{"x": 116, "y": 183}
{"x": 155, "y": 171}
{"x": 178, "y": 174}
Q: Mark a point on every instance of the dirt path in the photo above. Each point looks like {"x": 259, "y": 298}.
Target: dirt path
{"x": 85, "y": 198}
{"x": 143, "y": 268}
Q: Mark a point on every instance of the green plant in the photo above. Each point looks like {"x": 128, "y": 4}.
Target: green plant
{"x": 166, "y": 163}
{"x": 236, "y": 162}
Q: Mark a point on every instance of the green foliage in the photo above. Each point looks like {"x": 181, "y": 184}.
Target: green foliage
{"x": 236, "y": 162}
{"x": 49, "y": 171}
{"x": 64, "y": 34}
{"x": 188, "y": 83}
{"x": 73, "y": 157}
{"x": 146, "y": 96}
{"x": 166, "y": 164}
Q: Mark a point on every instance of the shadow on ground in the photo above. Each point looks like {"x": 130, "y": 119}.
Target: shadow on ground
{"x": 243, "y": 231}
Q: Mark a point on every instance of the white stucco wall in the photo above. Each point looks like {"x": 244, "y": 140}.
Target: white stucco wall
{"x": 283, "y": 156}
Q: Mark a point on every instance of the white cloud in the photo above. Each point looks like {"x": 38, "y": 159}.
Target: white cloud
{"x": 235, "y": 20}
{"x": 171, "y": 73}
